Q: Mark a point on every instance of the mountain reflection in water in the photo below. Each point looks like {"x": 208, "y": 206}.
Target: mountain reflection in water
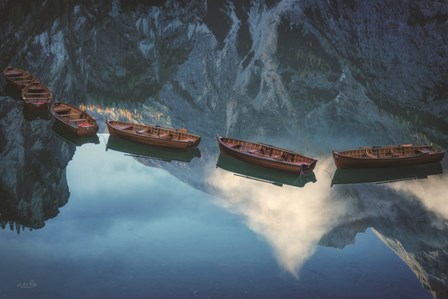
{"x": 292, "y": 220}
{"x": 422, "y": 241}
{"x": 33, "y": 161}
{"x": 314, "y": 74}
{"x": 432, "y": 194}
{"x": 409, "y": 217}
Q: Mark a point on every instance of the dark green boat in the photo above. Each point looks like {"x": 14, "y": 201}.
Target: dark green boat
{"x": 258, "y": 173}
{"x": 147, "y": 151}
{"x": 385, "y": 175}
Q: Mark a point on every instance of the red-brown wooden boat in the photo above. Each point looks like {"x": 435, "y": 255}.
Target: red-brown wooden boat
{"x": 387, "y": 156}
{"x": 267, "y": 155}
{"x": 154, "y": 135}
{"x": 36, "y": 95}
{"x": 18, "y": 77}
{"x": 74, "y": 120}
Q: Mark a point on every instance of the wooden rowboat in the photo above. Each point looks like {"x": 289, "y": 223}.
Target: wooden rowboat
{"x": 18, "y": 78}
{"x": 387, "y": 156}
{"x": 36, "y": 95}
{"x": 154, "y": 135}
{"x": 74, "y": 120}
{"x": 267, "y": 155}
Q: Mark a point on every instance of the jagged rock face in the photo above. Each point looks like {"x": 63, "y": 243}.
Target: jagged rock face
{"x": 33, "y": 181}
{"x": 326, "y": 73}
{"x": 397, "y": 52}
{"x": 418, "y": 235}
{"x": 79, "y": 48}
{"x": 250, "y": 68}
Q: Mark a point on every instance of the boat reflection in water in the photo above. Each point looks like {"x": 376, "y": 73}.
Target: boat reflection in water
{"x": 71, "y": 138}
{"x": 385, "y": 175}
{"x": 30, "y": 114}
{"x": 148, "y": 151}
{"x": 258, "y": 173}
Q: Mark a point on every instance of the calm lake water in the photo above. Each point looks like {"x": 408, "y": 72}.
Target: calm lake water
{"x": 135, "y": 227}
{"x": 111, "y": 219}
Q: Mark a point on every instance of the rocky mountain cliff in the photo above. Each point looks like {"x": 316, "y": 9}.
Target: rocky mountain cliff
{"x": 299, "y": 68}
{"x": 313, "y": 75}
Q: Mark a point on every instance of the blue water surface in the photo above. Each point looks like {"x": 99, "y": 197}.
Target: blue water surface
{"x": 133, "y": 231}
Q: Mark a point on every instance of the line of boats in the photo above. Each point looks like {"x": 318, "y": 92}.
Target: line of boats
{"x": 35, "y": 94}
{"x": 79, "y": 123}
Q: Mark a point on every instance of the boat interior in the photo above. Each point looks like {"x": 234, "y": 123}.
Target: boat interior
{"x": 266, "y": 151}
{"x": 19, "y": 77}
{"x": 36, "y": 93}
{"x": 72, "y": 116}
{"x": 389, "y": 152}
{"x": 156, "y": 132}
{"x": 23, "y": 79}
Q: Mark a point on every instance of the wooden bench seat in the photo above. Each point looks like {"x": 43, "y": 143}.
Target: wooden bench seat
{"x": 423, "y": 151}
{"x": 22, "y": 79}
{"x": 61, "y": 110}
{"x": 15, "y": 74}
{"x": 370, "y": 155}
{"x": 36, "y": 88}
{"x": 68, "y": 115}
{"x": 36, "y": 99}
{"x": 37, "y": 93}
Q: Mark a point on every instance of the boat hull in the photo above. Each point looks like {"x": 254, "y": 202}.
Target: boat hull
{"x": 36, "y": 96}
{"x": 258, "y": 173}
{"x": 68, "y": 136}
{"x": 342, "y": 161}
{"x": 267, "y": 162}
{"x": 82, "y": 132}
{"x": 87, "y": 128}
{"x": 18, "y": 78}
{"x": 152, "y": 140}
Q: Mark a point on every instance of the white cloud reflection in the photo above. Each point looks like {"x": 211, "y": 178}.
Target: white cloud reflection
{"x": 292, "y": 220}
{"x": 432, "y": 193}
